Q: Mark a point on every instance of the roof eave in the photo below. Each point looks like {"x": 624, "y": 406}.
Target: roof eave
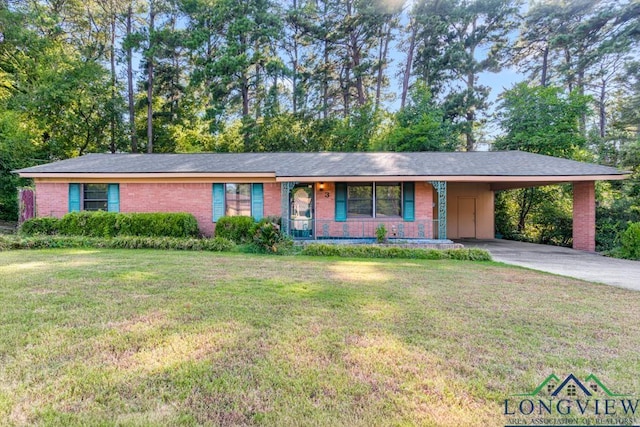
{"x": 456, "y": 178}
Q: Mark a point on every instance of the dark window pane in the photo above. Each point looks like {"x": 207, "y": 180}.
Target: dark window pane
{"x": 95, "y": 197}
{"x": 359, "y": 200}
{"x": 95, "y": 205}
{"x": 238, "y": 200}
{"x": 388, "y": 200}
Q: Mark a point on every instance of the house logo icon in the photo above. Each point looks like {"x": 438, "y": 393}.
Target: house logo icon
{"x": 572, "y": 401}
{"x": 571, "y": 386}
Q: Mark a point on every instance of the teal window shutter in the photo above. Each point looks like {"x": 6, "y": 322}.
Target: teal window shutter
{"x": 113, "y": 198}
{"x": 257, "y": 201}
{"x": 218, "y": 201}
{"x": 408, "y": 204}
{"x": 74, "y": 197}
{"x": 341, "y": 201}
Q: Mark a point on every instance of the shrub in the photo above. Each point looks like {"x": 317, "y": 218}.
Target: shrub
{"x": 40, "y": 225}
{"x": 235, "y": 228}
{"x": 381, "y": 233}
{"x": 372, "y": 251}
{"x": 111, "y": 224}
{"x": 157, "y": 224}
{"x": 121, "y": 242}
{"x": 630, "y": 242}
{"x": 91, "y": 224}
{"x": 268, "y": 238}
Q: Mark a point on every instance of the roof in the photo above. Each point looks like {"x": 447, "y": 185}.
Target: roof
{"x": 286, "y": 166}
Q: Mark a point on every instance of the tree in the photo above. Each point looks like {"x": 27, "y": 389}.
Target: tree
{"x": 464, "y": 39}
{"x": 540, "y": 120}
{"x": 421, "y": 126}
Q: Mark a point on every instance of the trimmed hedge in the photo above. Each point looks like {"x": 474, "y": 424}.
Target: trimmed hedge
{"x": 373, "y": 251}
{"x": 40, "y": 225}
{"x": 111, "y": 224}
{"x": 122, "y": 242}
{"x": 236, "y": 228}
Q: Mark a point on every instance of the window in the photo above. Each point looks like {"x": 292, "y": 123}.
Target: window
{"x": 388, "y": 200}
{"x": 95, "y": 197}
{"x": 238, "y": 199}
{"x": 571, "y": 390}
{"x": 359, "y": 200}
{"x": 372, "y": 200}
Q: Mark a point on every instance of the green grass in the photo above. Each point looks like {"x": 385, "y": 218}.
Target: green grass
{"x": 95, "y": 337}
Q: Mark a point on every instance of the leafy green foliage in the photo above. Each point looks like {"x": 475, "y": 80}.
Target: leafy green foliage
{"x": 630, "y": 242}
{"x": 218, "y": 244}
{"x": 235, "y": 228}
{"x": 542, "y": 120}
{"x": 40, "y": 225}
{"x": 157, "y": 224}
{"x": 421, "y": 126}
{"x": 539, "y": 215}
{"x": 268, "y": 238}
{"x": 373, "y": 251}
{"x": 110, "y": 224}
{"x": 381, "y": 233}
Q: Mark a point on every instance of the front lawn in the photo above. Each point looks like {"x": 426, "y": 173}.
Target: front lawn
{"x": 163, "y": 337}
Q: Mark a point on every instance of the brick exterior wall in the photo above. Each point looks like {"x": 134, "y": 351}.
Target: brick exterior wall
{"x": 584, "y": 216}
{"x": 52, "y": 199}
{"x": 272, "y": 199}
{"x": 422, "y": 226}
{"x": 196, "y": 198}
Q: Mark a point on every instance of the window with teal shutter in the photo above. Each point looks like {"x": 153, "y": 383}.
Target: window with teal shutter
{"x": 341, "y": 201}
{"x": 257, "y": 201}
{"x": 408, "y": 208}
{"x": 218, "y": 201}
{"x": 74, "y": 197}
{"x": 113, "y": 198}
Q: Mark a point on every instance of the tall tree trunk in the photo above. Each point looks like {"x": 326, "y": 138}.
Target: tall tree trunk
{"x": 112, "y": 52}
{"x": 545, "y": 66}
{"x": 408, "y": 66}
{"x": 602, "y": 112}
{"x": 130, "y": 94}
{"x": 345, "y": 84}
{"x": 150, "y": 55}
{"x": 580, "y": 89}
{"x": 382, "y": 60}
{"x": 294, "y": 65}
{"x": 325, "y": 81}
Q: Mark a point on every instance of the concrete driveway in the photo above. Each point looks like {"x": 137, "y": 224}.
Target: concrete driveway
{"x": 563, "y": 261}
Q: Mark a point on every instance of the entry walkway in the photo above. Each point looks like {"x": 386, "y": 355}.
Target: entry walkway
{"x": 563, "y": 261}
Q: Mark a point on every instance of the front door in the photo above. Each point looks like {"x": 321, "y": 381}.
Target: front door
{"x": 466, "y": 217}
{"x": 301, "y": 220}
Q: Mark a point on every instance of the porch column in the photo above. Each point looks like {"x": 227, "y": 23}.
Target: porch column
{"x": 441, "y": 189}
{"x": 285, "y": 207}
{"x": 584, "y": 216}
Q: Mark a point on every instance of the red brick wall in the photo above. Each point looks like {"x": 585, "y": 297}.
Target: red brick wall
{"x": 325, "y": 214}
{"x": 52, "y": 199}
{"x": 194, "y": 198}
{"x": 584, "y": 216}
{"x": 272, "y": 199}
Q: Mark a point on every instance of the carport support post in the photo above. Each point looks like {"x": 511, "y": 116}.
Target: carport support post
{"x": 584, "y": 216}
{"x": 441, "y": 189}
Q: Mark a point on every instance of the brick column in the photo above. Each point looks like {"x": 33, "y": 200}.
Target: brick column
{"x": 584, "y": 216}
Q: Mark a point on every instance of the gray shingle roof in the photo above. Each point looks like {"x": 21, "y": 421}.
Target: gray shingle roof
{"x": 491, "y": 163}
